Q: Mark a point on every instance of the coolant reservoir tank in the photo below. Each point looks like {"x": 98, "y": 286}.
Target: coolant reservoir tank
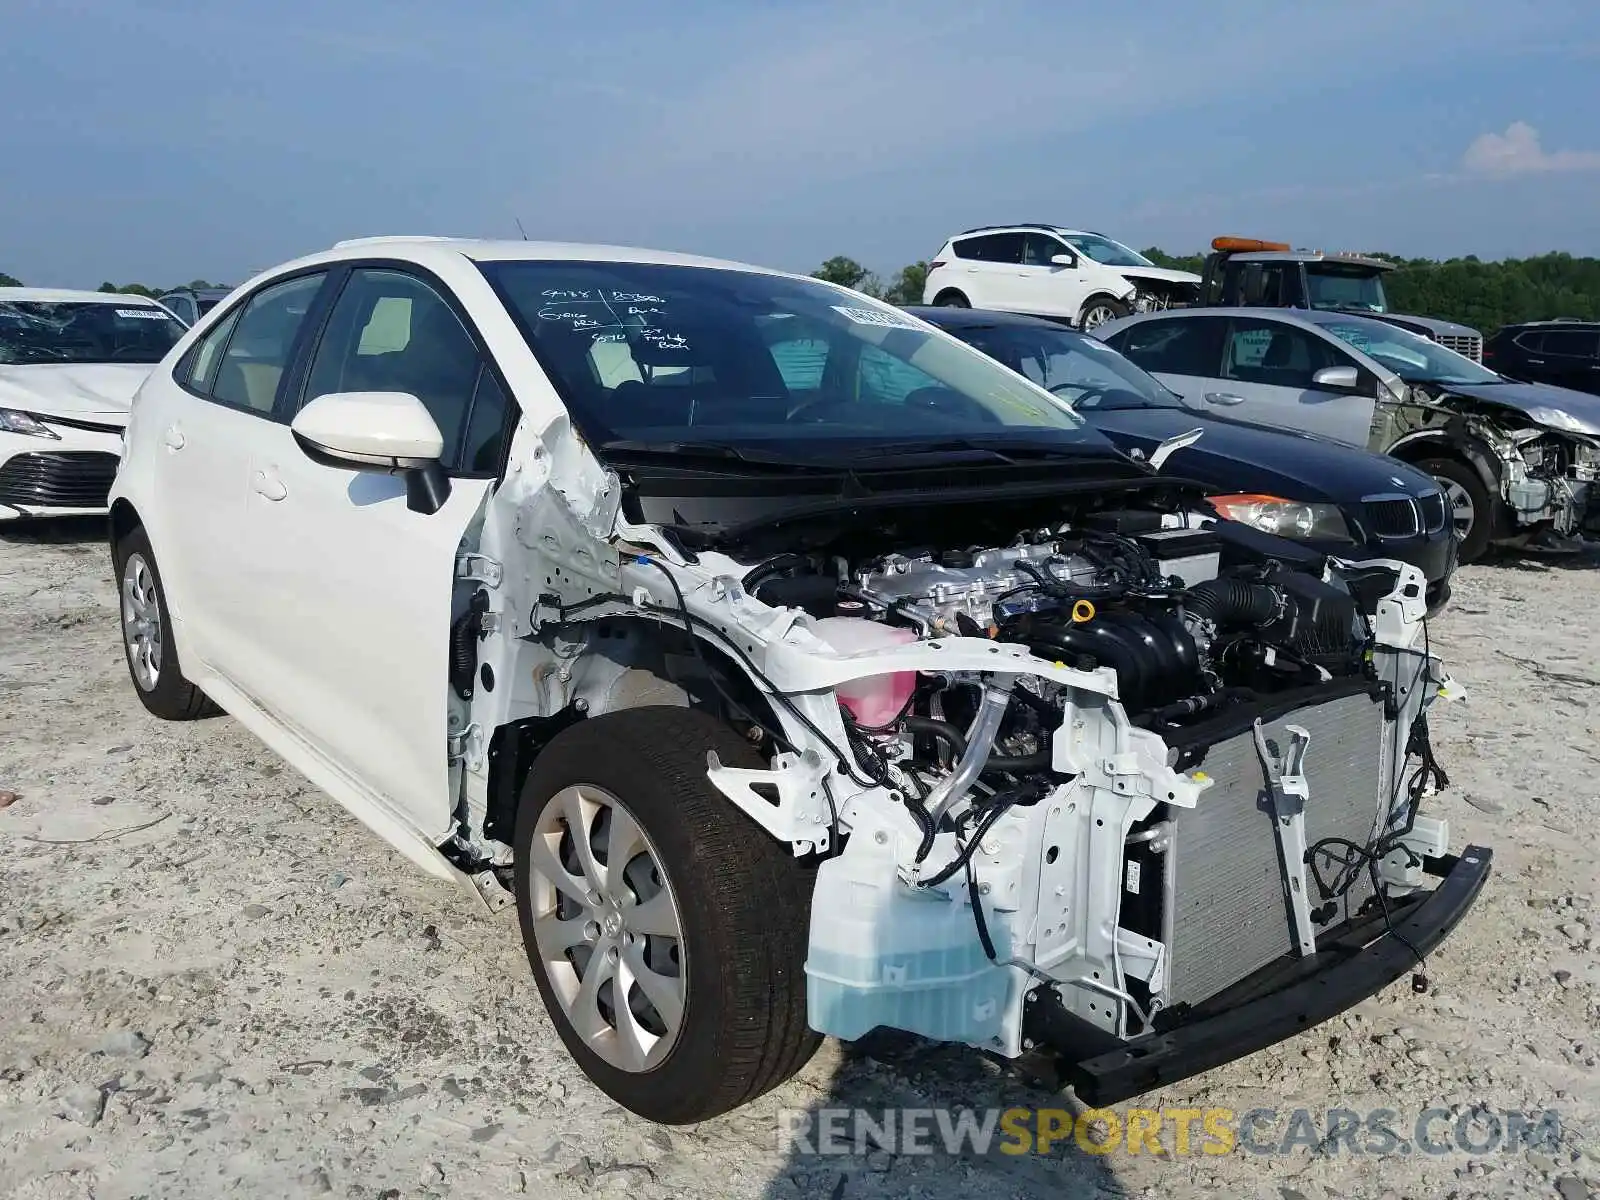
{"x": 878, "y": 699}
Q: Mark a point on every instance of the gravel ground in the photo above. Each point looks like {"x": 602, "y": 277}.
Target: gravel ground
{"x": 214, "y": 982}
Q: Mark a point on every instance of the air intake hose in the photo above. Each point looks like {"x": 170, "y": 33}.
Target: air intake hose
{"x": 1234, "y": 600}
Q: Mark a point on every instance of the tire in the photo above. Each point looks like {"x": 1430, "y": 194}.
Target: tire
{"x": 142, "y": 601}
{"x": 950, "y": 298}
{"x": 1097, "y": 310}
{"x": 740, "y": 901}
{"x": 1464, "y": 490}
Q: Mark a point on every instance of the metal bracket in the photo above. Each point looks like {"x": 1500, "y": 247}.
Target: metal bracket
{"x": 479, "y": 568}
{"x": 466, "y": 746}
{"x": 1286, "y": 784}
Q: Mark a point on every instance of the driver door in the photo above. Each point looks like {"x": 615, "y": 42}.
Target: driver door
{"x": 354, "y": 590}
{"x": 1268, "y": 378}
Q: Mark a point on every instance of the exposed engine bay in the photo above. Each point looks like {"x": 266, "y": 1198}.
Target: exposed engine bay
{"x": 1100, "y": 770}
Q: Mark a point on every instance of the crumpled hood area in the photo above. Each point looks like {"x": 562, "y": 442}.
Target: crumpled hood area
{"x": 1525, "y": 396}
{"x": 102, "y": 391}
{"x": 1164, "y": 274}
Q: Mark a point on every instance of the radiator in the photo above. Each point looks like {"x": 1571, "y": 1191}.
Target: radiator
{"x": 1226, "y": 899}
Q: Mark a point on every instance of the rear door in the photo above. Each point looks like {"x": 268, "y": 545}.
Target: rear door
{"x": 993, "y": 264}
{"x": 356, "y": 591}
{"x": 1267, "y": 379}
{"x": 206, "y": 421}
{"x": 1566, "y": 357}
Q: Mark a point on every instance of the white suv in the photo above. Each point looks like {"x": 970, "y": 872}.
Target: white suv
{"x": 658, "y": 595}
{"x": 1050, "y": 271}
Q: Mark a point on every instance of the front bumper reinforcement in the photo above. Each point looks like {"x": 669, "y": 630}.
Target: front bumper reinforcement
{"x": 1288, "y": 996}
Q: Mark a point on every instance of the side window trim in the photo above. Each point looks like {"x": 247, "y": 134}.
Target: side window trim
{"x": 292, "y": 400}
{"x": 237, "y": 310}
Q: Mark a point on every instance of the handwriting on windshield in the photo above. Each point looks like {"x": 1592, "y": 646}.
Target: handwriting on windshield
{"x": 612, "y": 316}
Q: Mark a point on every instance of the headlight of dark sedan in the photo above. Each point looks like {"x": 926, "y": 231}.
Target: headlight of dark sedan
{"x": 1285, "y": 518}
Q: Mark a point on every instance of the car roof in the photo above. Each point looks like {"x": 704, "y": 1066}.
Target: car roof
{"x": 1308, "y": 256}
{"x": 947, "y": 317}
{"x": 1028, "y": 226}
{"x": 72, "y": 296}
{"x": 490, "y": 249}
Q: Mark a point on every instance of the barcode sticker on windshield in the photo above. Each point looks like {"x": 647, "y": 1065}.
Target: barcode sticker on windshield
{"x": 872, "y": 316}
{"x": 143, "y": 314}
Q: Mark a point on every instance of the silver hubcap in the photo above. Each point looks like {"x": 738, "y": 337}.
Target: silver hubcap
{"x": 1096, "y": 316}
{"x": 141, "y": 622}
{"x": 607, "y": 928}
{"x": 1462, "y": 512}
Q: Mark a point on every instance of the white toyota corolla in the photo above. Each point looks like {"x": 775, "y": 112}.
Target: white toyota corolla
{"x": 794, "y": 668}
{"x": 69, "y": 365}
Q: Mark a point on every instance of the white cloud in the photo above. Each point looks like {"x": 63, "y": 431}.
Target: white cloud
{"x": 1517, "y": 152}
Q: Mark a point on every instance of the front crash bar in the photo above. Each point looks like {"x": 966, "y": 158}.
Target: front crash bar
{"x": 1282, "y": 999}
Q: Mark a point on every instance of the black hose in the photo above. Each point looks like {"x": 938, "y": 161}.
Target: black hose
{"x": 464, "y": 634}
{"x": 1233, "y": 600}
{"x": 942, "y": 730}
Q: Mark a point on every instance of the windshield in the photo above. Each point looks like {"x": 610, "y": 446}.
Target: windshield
{"x": 36, "y": 331}
{"x": 1104, "y": 250}
{"x": 1332, "y": 285}
{"x": 1409, "y": 355}
{"x": 1083, "y": 371}
{"x": 686, "y": 356}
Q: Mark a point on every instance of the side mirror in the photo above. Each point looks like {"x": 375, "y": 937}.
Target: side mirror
{"x": 388, "y": 432}
{"x": 1340, "y": 378}
{"x": 1063, "y": 260}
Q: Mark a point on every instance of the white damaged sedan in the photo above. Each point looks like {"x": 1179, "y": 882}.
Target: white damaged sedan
{"x": 69, "y": 365}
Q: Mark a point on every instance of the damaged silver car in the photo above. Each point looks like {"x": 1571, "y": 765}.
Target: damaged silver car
{"x": 1517, "y": 461}
{"x": 791, "y": 668}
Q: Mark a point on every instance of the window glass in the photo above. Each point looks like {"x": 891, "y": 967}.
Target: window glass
{"x": 1411, "y": 356}
{"x": 488, "y": 427}
{"x": 664, "y": 353}
{"x": 1271, "y": 353}
{"x": 1039, "y": 248}
{"x": 203, "y": 366}
{"x": 1082, "y": 370}
{"x": 1575, "y": 342}
{"x": 1112, "y": 254}
{"x": 259, "y": 350}
{"x": 1182, "y": 346}
{"x": 801, "y": 361}
{"x": 1333, "y": 285}
{"x": 992, "y": 247}
{"x": 116, "y": 330}
{"x": 885, "y": 379}
{"x": 391, "y": 332}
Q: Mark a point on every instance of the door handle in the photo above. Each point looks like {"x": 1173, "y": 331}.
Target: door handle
{"x": 269, "y": 486}
{"x": 174, "y": 438}
{"x": 1223, "y": 398}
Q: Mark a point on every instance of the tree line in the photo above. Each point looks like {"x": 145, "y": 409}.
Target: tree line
{"x": 128, "y": 289}
{"x": 1484, "y": 295}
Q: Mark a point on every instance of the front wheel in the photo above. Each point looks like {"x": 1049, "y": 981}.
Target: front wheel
{"x": 1097, "y": 310}
{"x": 1468, "y": 504}
{"x": 667, "y": 932}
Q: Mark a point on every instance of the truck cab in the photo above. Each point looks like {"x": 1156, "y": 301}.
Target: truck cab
{"x": 1246, "y": 272}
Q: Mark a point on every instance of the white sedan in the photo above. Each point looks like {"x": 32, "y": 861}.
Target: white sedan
{"x": 659, "y": 596}
{"x": 69, "y": 365}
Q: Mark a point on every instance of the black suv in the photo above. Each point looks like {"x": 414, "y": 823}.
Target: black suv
{"x": 1565, "y": 353}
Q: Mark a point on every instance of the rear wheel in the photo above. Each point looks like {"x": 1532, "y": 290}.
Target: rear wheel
{"x": 950, "y": 298}
{"x": 667, "y": 932}
{"x": 147, "y": 635}
{"x": 1468, "y": 504}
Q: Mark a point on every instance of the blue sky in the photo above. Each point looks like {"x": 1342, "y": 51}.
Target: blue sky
{"x": 161, "y": 140}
